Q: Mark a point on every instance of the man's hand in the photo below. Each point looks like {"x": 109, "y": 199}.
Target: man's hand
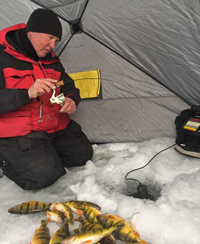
{"x": 41, "y": 86}
{"x": 69, "y": 106}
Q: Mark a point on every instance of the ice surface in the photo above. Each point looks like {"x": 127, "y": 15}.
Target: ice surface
{"x": 174, "y": 218}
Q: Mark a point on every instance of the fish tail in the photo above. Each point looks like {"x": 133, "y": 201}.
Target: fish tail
{"x": 71, "y": 222}
{"x": 77, "y": 231}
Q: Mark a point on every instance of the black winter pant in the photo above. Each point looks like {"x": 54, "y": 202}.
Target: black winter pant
{"x": 37, "y": 160}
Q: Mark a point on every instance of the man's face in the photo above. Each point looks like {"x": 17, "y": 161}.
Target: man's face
{"x": 43, "y": 43}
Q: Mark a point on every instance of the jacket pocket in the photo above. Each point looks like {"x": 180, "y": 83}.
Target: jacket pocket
{"x": 52, "y": 74}
{"x": 21, "y": 79}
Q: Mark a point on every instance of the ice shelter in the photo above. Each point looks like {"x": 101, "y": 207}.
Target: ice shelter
{"x": 146, "y": 51}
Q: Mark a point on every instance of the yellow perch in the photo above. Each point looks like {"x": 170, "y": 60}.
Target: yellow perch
{"x": 74, "y": 206}
{"x": 90, "y": 214}
{"x": 92, "y": 236}
{"x": 77, "y": 206}
{"x": 86, "y": 226}
{"x": 55, "y": 216}
{"x": 64, "y": 209}
{"x": 41, "y": 235}
{"x": 29, "y": 207}
{"x": 125, "y": 234}
{"x": 60, "y": 234}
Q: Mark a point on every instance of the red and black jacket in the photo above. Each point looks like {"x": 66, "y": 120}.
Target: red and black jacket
{"x": 19, "y": 115}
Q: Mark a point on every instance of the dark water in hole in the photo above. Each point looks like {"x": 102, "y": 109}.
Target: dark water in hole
{"x": 154, "y": 192}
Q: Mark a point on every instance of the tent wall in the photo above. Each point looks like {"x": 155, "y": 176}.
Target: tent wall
{"x": 160, "y": 37}
{"x": 126, "y": 91}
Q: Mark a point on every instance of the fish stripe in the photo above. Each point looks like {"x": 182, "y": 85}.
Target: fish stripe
{"x": 104, "y": 222}
{"x": 89, "y": 226}
{"x": 61, "y": 235}
{"x": 85, "y": 225}
{"x": 21, "y": 209}
{"x": 88, "y": 212}
{"x": 79, "y": 203}
{"x": 36, "y": 206}
{"x": 43, "y": 206}
{"x": 42, "y": 238}
{"x": 27, "y": 208}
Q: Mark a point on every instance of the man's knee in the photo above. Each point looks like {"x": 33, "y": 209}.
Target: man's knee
{"x": 73, "y": 146}
{"x": 39, "y": 178}
{"x": 82, "y": 159}
{"x": 42, "y": 180}
{"x": 79, "y": 156}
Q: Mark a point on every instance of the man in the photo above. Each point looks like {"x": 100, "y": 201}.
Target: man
{"x": 37, "y": 138}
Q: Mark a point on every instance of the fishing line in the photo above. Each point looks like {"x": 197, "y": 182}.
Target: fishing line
{"x": 115, "y": 82}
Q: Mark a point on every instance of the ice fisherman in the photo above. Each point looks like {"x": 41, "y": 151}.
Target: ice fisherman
{"x": 38, "y": 140}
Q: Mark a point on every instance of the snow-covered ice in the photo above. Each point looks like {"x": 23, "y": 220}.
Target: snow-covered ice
{"x": 174, "y": 179}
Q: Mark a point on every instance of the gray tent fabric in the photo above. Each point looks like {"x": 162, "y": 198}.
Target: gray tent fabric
{"x": 147, "y": 53}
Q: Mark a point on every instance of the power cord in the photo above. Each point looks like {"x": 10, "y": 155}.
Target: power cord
{"x": 142, "y": 191}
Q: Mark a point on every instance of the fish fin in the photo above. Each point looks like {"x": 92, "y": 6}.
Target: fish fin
{"x": 79, "y": 212}
{"x": 137, "y": 234}
{"x": 85, "y": 242}
{"x": 119, "y": 216}
{"x": 131, "y": 226}
{"x": 142, "y": 241}
{"x": 111, "y": 216}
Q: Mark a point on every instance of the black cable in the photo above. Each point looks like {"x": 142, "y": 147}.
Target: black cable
{"x": 146, "y": 165}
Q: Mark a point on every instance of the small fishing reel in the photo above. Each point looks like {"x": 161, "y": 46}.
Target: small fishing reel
{"x": 57, "y": 99}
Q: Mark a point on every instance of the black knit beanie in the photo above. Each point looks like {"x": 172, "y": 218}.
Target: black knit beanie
{"x": 44, "y": 21}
